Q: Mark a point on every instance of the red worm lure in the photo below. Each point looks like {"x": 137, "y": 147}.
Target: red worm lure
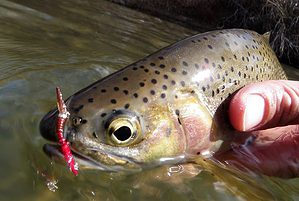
{"x": 65, "y": 148}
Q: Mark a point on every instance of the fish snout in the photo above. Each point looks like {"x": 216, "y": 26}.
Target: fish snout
{"x": 47, "y": 125}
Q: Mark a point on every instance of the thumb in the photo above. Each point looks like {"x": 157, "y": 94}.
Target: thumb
{"x": 265, "y": 105}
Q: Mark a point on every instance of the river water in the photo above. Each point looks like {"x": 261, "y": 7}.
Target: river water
{"x": 44, "y": 44}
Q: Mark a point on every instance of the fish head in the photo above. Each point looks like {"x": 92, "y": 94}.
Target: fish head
{"x": 115, "y": 125}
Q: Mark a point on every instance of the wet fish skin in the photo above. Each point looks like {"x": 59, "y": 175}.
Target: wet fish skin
{"x": 171, "y": 95}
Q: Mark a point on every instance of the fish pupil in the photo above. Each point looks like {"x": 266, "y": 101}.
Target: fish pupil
{"x": 123, "y": 133}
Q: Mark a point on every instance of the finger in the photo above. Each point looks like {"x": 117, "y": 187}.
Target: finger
{"x": 273, "y": 152}
{"x": 265, "y": 105}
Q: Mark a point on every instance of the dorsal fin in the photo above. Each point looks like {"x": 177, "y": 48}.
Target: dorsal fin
{"x": 266, "y": 36}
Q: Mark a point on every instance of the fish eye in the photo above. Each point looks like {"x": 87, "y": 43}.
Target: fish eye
{"x": 123, "y": 130}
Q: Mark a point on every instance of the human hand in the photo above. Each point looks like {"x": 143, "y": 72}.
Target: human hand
{"x": 266, "y": 115}
{"x": 265, "y": 105}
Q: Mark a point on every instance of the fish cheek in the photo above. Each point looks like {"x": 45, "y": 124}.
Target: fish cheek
{"x": 164, "y": 138}
{"x": 196, "y": 121}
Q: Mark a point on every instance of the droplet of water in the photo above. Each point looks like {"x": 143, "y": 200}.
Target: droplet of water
{"x": 52, "y": 185}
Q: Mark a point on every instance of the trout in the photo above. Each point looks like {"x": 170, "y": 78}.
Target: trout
{"x": 161, "y": 109}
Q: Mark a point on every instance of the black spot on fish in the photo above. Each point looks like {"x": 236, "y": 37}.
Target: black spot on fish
{"x": 135, "y": 68}
{"x": 235, "y": 56}
{"x": 223, "y": 59}
{"x": 226, "y": 43}
{"x": 213, "y": 93}
{"x": 103, "y": 114}
{"x": 219, "y": 66}
{"x": 157, "y": 72}
{"x": 103, "y": 90}
{"x": 193, "y": 41}
{"x": 95, "y": 135}
{"x": 205, "y": 38}
{"x": 210, "y": 47}
{"x": 125, "y": 79}
{"x": 183, "y": 83}
{"x": 141, "y": 66}
{"x": 145, "y": 100}
{"x": 141, "y": 84}
{"x": 94, "y": 87}
{"x": 116, "y": 89}
{"x": 214, "y": 65}
{"x": 90, "y": 100}
{"x": 185, "y": 63}
{"x": 162, "y": 66}
{"x": 164, "y": 87}
{"x": 154, "y": 81}
{"x": 126, "y": 92}
{"x": 127, "y": 106}
{"x": 163, "y": 95}
{"x": 152, "y": 64}
{"x": 203, "y": 89}
{"x": 184, "y": 72}
{"x": 232, "y": 69}
{"x": 173, "y": 82}
{"x": 206, "y": 60}
{"x": 173, "y": 69}
{"x": 113, "y": 101}
{"x": 239, "y": 73}
{"x": 78, "y": 108}
{"x": 177, "y": 112}
{"x": 161, "y": 58}
{"x": 135, "y": 95}
{"x": 199, "y": 40}
{"x": 146, "y": 70}
{"x": 165, "y": 77}
{"x": 152, "y": 92}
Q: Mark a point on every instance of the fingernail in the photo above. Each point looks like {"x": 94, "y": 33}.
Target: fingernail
{"x": 254, "y": 111}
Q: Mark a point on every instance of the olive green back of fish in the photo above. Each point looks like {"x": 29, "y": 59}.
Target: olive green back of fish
{"x": 213, "y": 64}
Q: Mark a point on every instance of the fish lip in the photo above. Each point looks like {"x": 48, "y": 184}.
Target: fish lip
{"x": 53, "y": 151}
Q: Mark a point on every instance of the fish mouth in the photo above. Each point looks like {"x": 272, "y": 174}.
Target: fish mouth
{"x": 111, "y": 163}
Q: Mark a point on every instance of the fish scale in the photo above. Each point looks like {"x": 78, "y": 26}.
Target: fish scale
{"x": 172, "y": 95}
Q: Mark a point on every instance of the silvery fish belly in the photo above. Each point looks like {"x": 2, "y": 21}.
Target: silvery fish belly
{"x": 160, "y": 109}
